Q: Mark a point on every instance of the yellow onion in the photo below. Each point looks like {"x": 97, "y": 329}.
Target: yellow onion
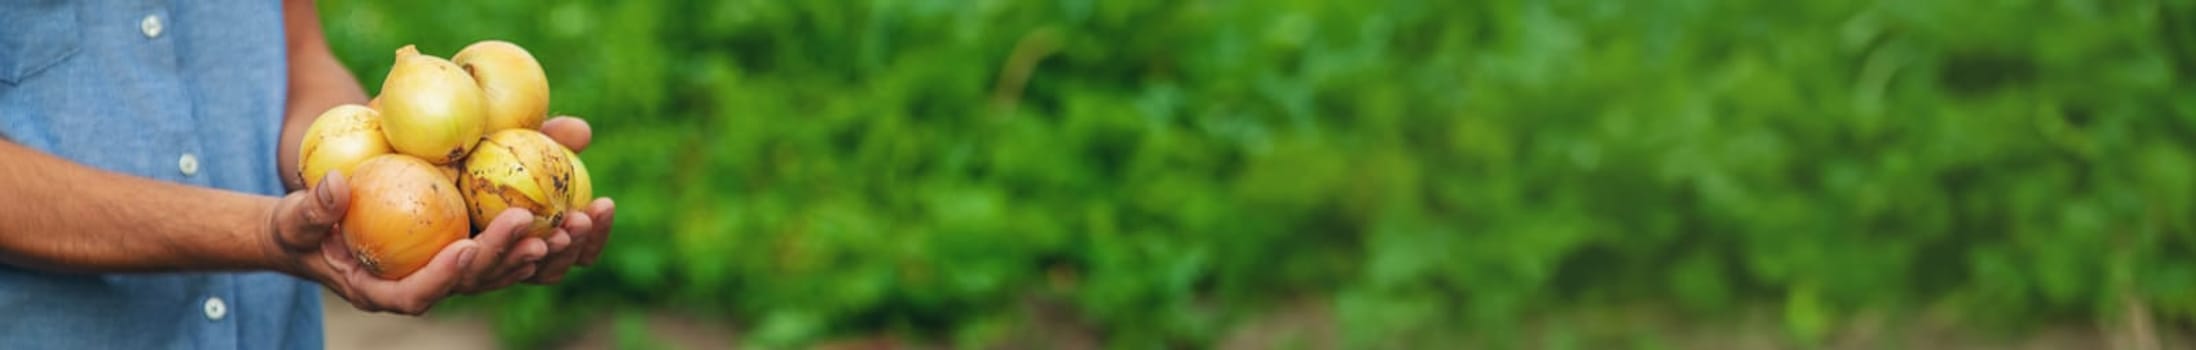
{"x": 402, "y": 213}
{"x": 518, "y": 168}
{"x": 583, "y": 186}
{"x": 338, "y": 140}
{"x": 517, "y": 91}
{"x": 430, "y": 108}
{"x": 450, "y": 171}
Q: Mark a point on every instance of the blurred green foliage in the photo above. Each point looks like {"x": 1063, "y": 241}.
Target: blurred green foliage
{"x": 1433, "y": 170}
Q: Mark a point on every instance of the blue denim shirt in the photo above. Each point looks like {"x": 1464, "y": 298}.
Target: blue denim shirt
{"x": 189, "y": 92}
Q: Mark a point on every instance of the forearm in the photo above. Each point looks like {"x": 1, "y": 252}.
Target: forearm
{"x": 65, "y": 217}
{"x": 318, "y": 81}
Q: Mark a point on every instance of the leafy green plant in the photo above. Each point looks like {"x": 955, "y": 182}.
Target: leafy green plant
{"x": 1436, "y": 169}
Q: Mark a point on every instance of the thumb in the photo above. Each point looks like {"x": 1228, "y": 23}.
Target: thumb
{"x": 573, "y": 133}
{"x": 304, "y": 218}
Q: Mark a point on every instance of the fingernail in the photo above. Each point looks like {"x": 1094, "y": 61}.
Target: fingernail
{"x": 323, "y": 196}
{"x": 465, "y": 258}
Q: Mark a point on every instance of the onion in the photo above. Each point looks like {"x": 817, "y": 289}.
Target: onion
{"x": 516, "y": 90}
{"x": 518, "y": 168}
{"x": 402, "y": 213}
{"x": 583, "y": 186}
{"x": 430, "y": 108}
{"x": 338, "y": 140}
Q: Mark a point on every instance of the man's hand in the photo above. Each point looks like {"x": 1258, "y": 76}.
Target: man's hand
{"x": 579, "y": 241}
{"x": 305, "y": 229}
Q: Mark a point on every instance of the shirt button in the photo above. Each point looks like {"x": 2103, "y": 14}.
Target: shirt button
{"x": 215, "y": 309}
{"x": 188, "y": 164}
{"x": 151, "y": 26}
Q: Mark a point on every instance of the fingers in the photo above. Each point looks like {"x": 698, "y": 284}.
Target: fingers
{"x": 528, "y": 251}
{"x": 573, "y": 133}
{"x": 514, "y": 277}
{"x": 418, "y": 292}
{"x": 523, "y": 264}
{"x": 558, "y": 242}
{"x": 603, "y": 213}
{"x": 546, "y": 261}
{"x": 563, "y": 254}
{"x": 578, "y": 223}
{"x": 496, "y": 241}
{"x": 304, "y": 219}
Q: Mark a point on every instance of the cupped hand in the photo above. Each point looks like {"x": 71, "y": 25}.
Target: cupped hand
{"x": 305, "y": 229}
